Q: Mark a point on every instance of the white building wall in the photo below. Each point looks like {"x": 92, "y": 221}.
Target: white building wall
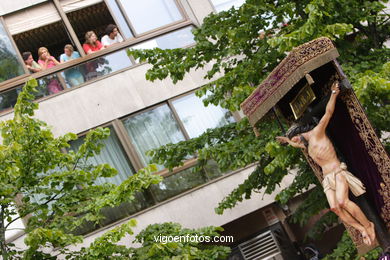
{"x": 9, "y": 6}
{"x": 102, "y": 101}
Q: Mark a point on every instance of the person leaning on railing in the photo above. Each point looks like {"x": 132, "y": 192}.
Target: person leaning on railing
{"x": 112, "y": 36}
{"x": 92, "y": 44}
{"x": 30, "y": 63}
{"x": 73, "y": 75}
{"x": 47, "y": 61}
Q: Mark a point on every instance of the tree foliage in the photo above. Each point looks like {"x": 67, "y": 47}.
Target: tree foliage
{"x": 107, "y": 247}
{"x": 56, "y": 191}
{"x": 245, "y": 44}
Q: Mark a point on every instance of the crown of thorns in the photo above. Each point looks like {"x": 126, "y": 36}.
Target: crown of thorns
{"x": 298, "y": 128}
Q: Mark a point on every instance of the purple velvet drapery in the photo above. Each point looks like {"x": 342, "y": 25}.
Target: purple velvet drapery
{"x": 346, "y": 138}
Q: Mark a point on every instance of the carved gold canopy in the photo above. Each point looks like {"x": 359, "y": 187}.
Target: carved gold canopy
{"x": 299, "y": 62}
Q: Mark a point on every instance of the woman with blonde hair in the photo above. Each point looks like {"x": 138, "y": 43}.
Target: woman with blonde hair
{"x": 47, "y": 61}
{"x": 73, "y": 75}
{"x": 92, "y": 44}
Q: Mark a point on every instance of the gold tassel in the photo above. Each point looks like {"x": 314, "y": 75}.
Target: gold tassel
{"x": 309, "y": 79}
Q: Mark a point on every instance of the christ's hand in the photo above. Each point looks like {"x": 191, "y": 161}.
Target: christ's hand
{"x": 282, "y": 139}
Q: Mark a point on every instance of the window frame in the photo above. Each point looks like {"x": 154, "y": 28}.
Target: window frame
{"x": 129, "y": 140}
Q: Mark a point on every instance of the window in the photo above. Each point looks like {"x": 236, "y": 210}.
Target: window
{"x": 8, "y": 98}
{"x": 178, "y": 39}
{"x": 151, "y": 130}
{"x": 224, "y": 5}
{"x": 91, "y": 15}
{"x": 177, "y": 183}
{"x": 10, "y": 65}
{"x": 121, "y": 21}
{"x": 197, "y": 118}
{"x": 148, "y": 15}
{"x": 113, "y": 154}
{"x": 96, "y": 68}
{"x": 47, "y": 85}
{"x": 38, "y": 26}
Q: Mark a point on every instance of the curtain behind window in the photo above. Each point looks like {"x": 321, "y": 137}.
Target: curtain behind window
{"x": 197, "y": 118}
{"x": 151, "y": 130}
{"x": 113, "y": 154}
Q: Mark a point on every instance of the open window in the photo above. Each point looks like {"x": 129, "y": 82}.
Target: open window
{"x": 90, "y": 15}
{"x": 38, "y": 26}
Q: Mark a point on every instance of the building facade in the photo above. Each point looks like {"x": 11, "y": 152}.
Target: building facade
{"x": 112, "y": 91}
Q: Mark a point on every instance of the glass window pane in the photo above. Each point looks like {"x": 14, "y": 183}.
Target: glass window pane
{"x": 125, "y": 30}
{"x": 106, "y": 65}
{"x": 96, "y": 68}
{"x": 89, "y": 16}
{"x": 48, "y": 85}
{"x": 10, "y": 66}
{"x": 212, "y": 170}
{"x": 197, "y": 118}
{"x": 224, "y": 5}
{"x": 72, "y": 77}
{"x": 8, "y": 98}
{"x": 153, "y": 129}
{"x": 113, "y": 154}
{"x": 177, "y": 183}
{"x": 151, "y": 14}
{"x": 177, "y": 39}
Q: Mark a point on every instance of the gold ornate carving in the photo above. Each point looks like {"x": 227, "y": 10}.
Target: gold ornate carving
{"x": 299, "y": 62}
{"x": 375, "y": 150}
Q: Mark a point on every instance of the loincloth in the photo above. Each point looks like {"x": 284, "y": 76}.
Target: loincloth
{"x": 355, "y": 185}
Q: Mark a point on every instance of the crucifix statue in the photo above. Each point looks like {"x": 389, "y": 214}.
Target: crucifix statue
{"x": 337, "y": 180}
{"x": 297, "y": 92}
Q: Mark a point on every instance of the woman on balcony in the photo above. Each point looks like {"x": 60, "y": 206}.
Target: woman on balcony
{"x": 72, "y": 75}
{"x": 92, "y": 44}
{"x": 47, "y": 61}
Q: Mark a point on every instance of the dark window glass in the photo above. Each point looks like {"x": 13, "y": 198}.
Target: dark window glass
{"x": 177, "y": 183}
{"x": 10, "y": 65}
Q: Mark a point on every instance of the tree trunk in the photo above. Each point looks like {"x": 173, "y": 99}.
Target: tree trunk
{"x": 3, "y": 246}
